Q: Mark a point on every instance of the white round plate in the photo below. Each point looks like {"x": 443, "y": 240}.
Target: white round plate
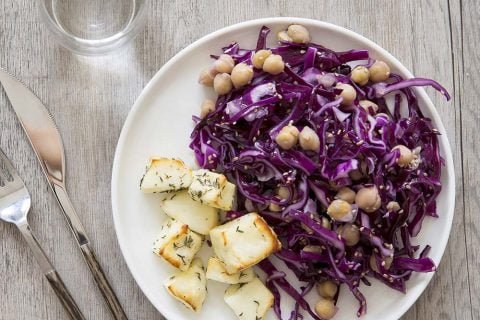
{"x": 160, "y": 124}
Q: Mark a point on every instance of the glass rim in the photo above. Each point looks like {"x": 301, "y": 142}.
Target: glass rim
{"x": 85, "y": 46}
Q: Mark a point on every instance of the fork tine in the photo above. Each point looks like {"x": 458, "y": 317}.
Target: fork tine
{"x": 8, "y": 167}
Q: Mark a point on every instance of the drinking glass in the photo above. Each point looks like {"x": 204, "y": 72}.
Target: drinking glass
{"x": 93, "y": 27}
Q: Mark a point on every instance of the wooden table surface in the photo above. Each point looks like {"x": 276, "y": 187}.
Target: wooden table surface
{"x": 91, "y": 97}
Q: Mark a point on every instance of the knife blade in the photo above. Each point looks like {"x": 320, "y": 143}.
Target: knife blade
{"x": 46, "y": 141}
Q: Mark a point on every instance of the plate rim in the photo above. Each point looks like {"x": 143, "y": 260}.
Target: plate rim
{"x": 448, "y": 169}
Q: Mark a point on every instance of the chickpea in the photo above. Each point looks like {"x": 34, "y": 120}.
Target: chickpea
{"x": 309, "y": 139}
{"x": 325, "y": 309}
{"x": 283, "y": 36}
{"x": 283, "y": 192}
{"x": 368, "y": 106}
{"x": 355, "y": 175}
{"x": 360, "y": 75}
{"x": 287, "y": 138}
{"x": 274, "y": 207}
{"x": 379, "y": 71}
{"x": 298, "y": 33}
{"x": 259, "y": 58}
{"x": 406, "y": 155}
{"x": 349, "y": 232}
{"x": 242, "y": 74}
{"x": 313, "y": 249}
{"x": 207, "y": 107}
{"x": 368, "y": 199}
{"x": 224, "y": 64}
{"x": 326, "y": 223}
{"x": 393, "y": 206}
{"x": 348, "y": 93}
{"x": 222, "y": 84}
{"x": 206, "y": 77}
{"x": 327, "y": 289}
{"x": 386, "y": 262}
{"x": 339, "y": 209}
{"x": 346, "y": 194}
{"x": 274, "y": 64}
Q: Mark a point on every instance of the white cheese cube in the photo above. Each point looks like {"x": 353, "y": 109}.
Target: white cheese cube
{"x": 177, "y": 244}
{"x": 243, "y": 242}
{"x": 250, "y": 300}
{"x": 216, "y": 271}
{"x": 199, "y": 217}
{"x": 190, "y": 286}
{"x": 227, "y": 197}
{"x": 164, "y": 174}
{"x": 212, "y": 189}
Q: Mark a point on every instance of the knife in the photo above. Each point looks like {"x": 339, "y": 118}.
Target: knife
{"x": 47, "y": 143}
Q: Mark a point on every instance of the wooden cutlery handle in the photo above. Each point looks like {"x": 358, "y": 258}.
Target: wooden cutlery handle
{"x": 64, "y": 296}
{"x": 102, "y": 283}
{"x": 51, "y": 274}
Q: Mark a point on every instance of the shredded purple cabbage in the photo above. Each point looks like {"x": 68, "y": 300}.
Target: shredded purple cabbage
{"x": 238, "y": 139}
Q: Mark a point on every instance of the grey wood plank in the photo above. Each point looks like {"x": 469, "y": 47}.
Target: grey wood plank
{"x": 90, "y": 99}
{"x": 468, "y": 87}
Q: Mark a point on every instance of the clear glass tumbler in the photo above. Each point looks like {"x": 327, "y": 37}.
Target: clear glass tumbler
{"x": 93, "y": 27}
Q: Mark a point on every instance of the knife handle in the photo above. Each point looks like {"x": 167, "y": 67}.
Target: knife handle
{"x": 102, "y": 282}
{"x": 80, "y": 235}
{"x": 51, "y": 274}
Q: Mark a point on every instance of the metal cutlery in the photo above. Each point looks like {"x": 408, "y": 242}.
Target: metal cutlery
{"x": 47, "y": 144}
{"x": 15, "y": 204}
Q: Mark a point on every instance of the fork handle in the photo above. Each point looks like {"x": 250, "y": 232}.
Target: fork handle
{"x": 51, "y": 274}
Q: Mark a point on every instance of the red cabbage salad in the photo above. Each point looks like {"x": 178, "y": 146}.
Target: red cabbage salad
{"x": 332, "y": 150}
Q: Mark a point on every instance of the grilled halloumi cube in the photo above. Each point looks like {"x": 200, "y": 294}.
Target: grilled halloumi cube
{"x": 212, "y": 189}
{"x": 189, "y": 286}
{"x": 216, "y": 271}
{"x": 243, "y": 242}
{"x": 165, "y": 174}
{"x": 199, "y": 217}
{"x": 177, "y": 244}
{"x": 250, "y": 300}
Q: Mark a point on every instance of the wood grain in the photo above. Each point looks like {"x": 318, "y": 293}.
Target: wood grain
{"x": 91, "y": 97}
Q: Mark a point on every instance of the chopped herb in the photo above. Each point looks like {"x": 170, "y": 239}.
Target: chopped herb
{"x": 241, "y": 314}
{"x": 167, "y": 176}
{"x": 188, "y": 241}
{"x": 242, "y": 274}
{"x": 182, "y": 257}
{"x": 171, "y": 185}
{"x": 174, "y": 195}
{"x": 258, "y": 303}
{"x": 199, "y": 276}
{"x": 172, "y": 277}
{"x": 238, "y": 229}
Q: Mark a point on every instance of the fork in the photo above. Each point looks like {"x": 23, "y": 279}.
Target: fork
{"x": 15, "y": 203}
